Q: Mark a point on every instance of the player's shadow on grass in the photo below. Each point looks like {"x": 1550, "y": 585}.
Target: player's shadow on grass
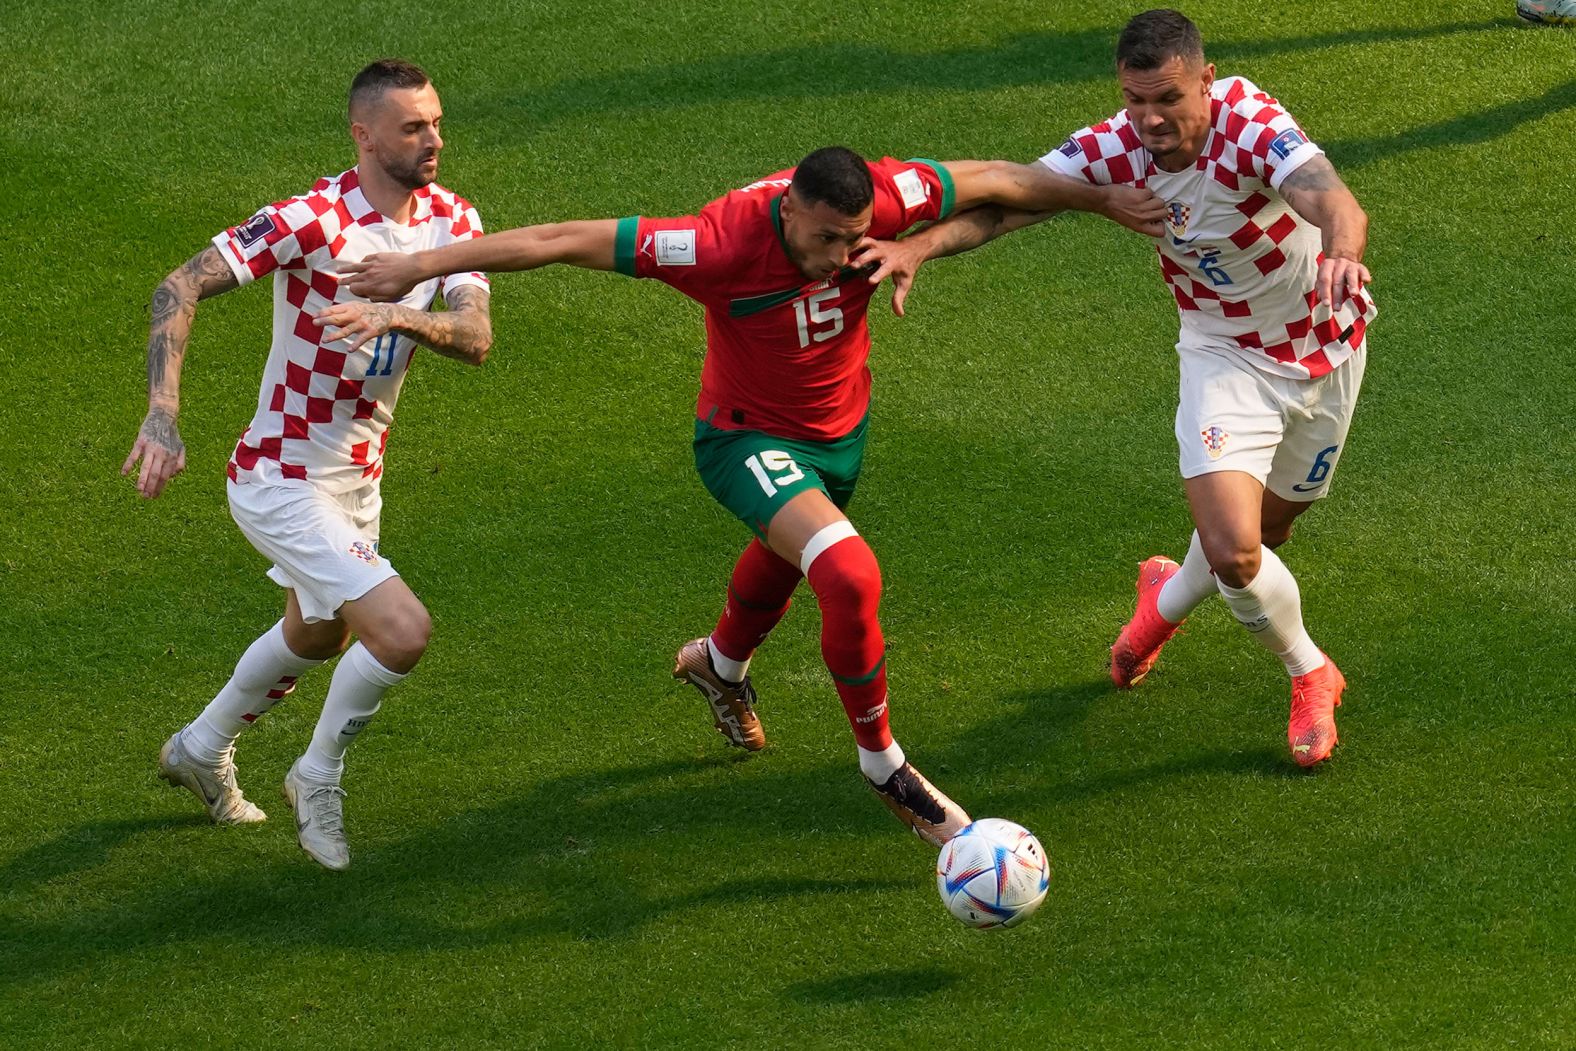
{"x": 1466, "y": 130}
{"x": 588, "y": 857}
{"x": 906, "y": 983}
{"x": 79, "y": 850}
{"x": 1036, "y": 733}
{"x": 825, "y": 70}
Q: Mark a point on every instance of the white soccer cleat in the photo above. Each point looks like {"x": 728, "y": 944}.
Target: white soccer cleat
{"x": 1547, "y": 12}
{"x": 214, "y": 785}
{"x": 320, "y": 819}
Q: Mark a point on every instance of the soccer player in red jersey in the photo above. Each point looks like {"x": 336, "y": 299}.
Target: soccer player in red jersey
{"x": 1263, "y": 254}
{"x": 304, "y": 477}
{"x": 784, "y": 398}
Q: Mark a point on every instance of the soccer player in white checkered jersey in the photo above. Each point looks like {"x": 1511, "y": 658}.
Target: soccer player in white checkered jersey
{"x": 1263, "y": 254}
{"x": 304, "y": 477}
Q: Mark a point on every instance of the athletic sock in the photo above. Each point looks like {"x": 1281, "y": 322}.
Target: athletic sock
{"x": 758, "y": 595}
{"x": 265, "y": 674}
{"x": 880, "y": 766}
{"x": 1271, "y": 609}
{"x": 353, "y": 699}
{"x": 1188, "y": 586}
{"x": 846, "y": 579}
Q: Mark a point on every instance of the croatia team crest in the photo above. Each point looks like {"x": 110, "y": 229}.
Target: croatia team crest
{"x": 1215, "y": 439}
{"x": 1177, "y": 216}
{"x": 365, "y": 551}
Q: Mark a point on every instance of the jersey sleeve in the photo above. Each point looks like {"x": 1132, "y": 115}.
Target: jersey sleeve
{"x": 1270, "y": 144}
{"x": 1104, "y": 154}
{"x": 687, "y": 252}
{"x": 266, "y": 241}
{"x": 909, "y": 192}
{"x": 467, "y": 225}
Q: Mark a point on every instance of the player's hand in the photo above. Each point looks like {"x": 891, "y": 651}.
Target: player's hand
{"x": 899, "y": 260}
{"x": 382, "y": 276}
{"x": 1340, "y": 278}
{"x": 355, "y": 322}
{"x": 161, "y": 451}
{"x": 1135, "y": 209}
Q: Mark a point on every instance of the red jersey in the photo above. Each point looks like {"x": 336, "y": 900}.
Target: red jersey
{"x": 784, "y": 354}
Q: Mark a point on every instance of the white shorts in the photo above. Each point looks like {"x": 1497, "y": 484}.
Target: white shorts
{"x": 324, "y": 546}
{"x": 1287, "y": 433}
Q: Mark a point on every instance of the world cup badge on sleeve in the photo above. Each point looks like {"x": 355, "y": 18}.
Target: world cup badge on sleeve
{"x": 1215, "y": 439}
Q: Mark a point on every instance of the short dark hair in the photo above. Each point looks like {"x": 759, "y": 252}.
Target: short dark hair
{"x": 1154, "y": 38}
{"x": 380, "y": 76}
{"x": 836, "y": 175}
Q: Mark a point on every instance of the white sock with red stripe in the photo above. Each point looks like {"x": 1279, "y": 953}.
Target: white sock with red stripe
{"x": 266, "y": 672}
{"x": 1270, "y": 607}
{"x": 1188, "y": 586}
{"x": 354, "y": 697}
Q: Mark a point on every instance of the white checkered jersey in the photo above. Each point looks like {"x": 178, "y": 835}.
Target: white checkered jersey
{"x": 1239, "y": 261}
{"x": 323, "y": 415}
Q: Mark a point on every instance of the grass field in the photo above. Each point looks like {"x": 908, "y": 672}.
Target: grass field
{"x": 551, "y": 846}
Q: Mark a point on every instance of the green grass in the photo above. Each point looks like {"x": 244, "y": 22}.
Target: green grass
{"x": 551, "y": 847}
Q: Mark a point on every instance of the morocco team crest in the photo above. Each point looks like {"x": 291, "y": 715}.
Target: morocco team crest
{"x": 1177, "y": 216}
{"x": 365, "y": 551}
{"x": 1215, "y": 439}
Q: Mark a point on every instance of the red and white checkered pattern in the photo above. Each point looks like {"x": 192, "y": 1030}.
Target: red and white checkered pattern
{"x": 323, "y": 415}
{"x": 1239, "y": 261}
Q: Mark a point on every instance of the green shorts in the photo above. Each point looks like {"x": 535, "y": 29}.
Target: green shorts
{"x": 753, "y": 474}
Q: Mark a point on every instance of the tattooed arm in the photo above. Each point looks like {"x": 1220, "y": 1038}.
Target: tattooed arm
{"x": 1317, "y": 194}
{"x": 158, "y": 443}
{"x": 462, "y": 332}
{"x": 962, "y": 232}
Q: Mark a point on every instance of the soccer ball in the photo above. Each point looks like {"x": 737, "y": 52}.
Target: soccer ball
{"x": 1548, "y": 12}
{"x": 993, "y": 874}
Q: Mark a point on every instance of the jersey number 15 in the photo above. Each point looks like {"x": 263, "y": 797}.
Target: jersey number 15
{"x": 808, "y": 312}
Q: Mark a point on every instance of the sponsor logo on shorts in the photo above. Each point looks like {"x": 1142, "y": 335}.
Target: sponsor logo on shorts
{"x": 368, "y": 553}
{"x": 675, "y": 247}
{"x": 1215, "y": 439}
{"x": 1177, "y": 216}
{"x": 1069, "y": 149}
{"x": 1287, "y": 141}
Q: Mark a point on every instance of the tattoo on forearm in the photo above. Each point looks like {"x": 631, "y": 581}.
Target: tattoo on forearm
{"x": 462, "y": 332}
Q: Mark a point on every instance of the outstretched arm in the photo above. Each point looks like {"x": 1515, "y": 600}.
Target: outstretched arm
{"x": 158, "y": 443}
{"x": 1035, "y": 188}
{"x": 587, "y": 243}
{"x": 961, "y": 232}
{"x": 1317, "y": 194}
{"x": 462, "y": 332}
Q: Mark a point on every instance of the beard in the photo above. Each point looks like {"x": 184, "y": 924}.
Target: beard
{"x": 408, "y": 173}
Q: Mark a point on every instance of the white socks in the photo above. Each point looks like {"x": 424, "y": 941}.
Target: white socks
{"x": 266, "y": 672}
{"x": 1271, "y": 609}
{"x": 880, "y": 766}
{"x": 1189, "y": 586}
{"x": 353, "y": 698}
{"x": 730, "y": 669}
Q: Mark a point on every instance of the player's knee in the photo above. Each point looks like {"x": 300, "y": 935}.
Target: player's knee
{"x": 1235, "y": 564}
{"x": 849, "y": 578}
{"x": 400, "y": 642}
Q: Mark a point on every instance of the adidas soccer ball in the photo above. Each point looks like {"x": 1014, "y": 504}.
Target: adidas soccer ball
{"x": 1548, "y": 12}
{"x": 993, "y": 874}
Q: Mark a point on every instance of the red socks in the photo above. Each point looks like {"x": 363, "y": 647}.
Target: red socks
{"x": 758, "y": 596}
{"x": 847, "y": 583}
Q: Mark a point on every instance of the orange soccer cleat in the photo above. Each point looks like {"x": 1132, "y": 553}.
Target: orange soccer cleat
{"x": 1138, "y": 646}
{"x": 1314, "y": 698}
